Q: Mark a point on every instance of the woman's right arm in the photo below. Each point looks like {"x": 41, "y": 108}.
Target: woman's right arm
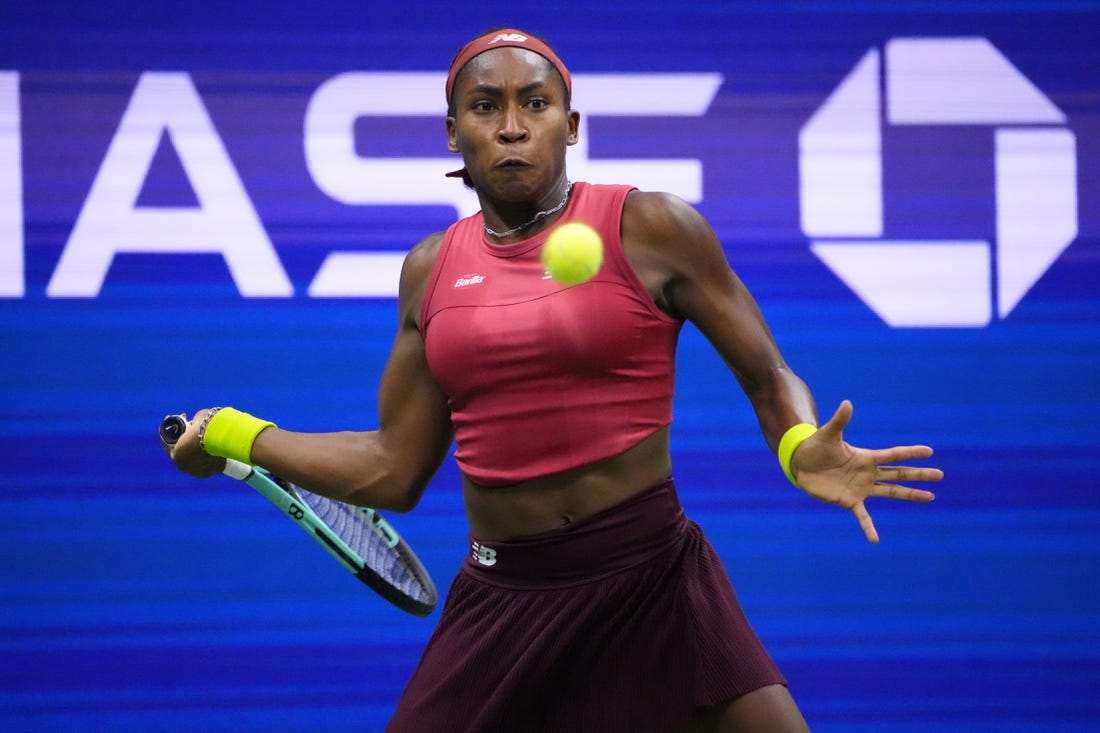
{"x": 387, "y": 468}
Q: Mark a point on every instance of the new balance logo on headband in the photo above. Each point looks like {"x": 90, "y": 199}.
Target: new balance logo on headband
{"x": 509, "y": 37}
{"x": 498, "y": 39}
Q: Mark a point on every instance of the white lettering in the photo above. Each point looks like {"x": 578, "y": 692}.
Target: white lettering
{"x": 358, "y": 275}
{"x": 224, "y": 221}
{"x": 641, "y": 95}
{"x": 12, "y": 283}
{"x": 353, "y": 179}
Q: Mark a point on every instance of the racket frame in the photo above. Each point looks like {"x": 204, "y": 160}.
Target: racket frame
{"x": 283, "y": 495}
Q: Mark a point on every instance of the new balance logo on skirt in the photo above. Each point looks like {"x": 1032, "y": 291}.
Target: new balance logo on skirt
{"x": 486, "y": 556}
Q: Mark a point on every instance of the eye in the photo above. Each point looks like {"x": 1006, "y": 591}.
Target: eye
{"x": 538, "y": 104}
{"x": 482, "y": 106}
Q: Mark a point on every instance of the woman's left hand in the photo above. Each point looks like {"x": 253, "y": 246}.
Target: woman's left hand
{"x": 829, "y": 469}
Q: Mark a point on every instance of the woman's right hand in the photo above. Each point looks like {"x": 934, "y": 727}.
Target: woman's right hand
{"x": 189, "y": 457}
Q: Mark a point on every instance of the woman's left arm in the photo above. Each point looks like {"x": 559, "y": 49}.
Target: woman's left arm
{"x": 679, "y": 258}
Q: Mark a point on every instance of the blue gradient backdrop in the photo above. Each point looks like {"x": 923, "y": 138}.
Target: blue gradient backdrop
{"x": 135, "y": 599}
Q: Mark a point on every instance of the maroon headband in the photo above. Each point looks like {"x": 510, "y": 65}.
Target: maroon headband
{"x": 507, "y": 37}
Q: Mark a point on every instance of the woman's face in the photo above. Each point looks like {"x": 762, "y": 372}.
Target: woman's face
{"x": 512, "y": 124}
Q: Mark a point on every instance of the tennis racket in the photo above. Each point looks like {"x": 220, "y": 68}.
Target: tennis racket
{"x": 358, "y": 537}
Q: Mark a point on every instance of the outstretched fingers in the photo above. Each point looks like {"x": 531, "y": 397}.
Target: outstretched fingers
{"x": 901, "y": 453}
{"x": 907, "y": 474}
{"x": 882, "y": 488}
{"x": 904, "y": 493}
{"x": 887, "y": 478}
{"x": 865, "y": 522}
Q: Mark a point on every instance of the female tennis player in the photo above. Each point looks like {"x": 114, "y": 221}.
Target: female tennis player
{"x": 587, "y": 600}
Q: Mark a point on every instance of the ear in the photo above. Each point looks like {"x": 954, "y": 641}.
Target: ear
{"x": 452, "y": 135}
{"x": 574, "y": 126}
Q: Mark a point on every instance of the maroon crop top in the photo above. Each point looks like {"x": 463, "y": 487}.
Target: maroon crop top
{"x": 541, "y": 377}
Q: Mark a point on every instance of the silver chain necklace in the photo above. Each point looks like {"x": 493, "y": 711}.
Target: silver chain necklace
{"x": 540, "y": 215}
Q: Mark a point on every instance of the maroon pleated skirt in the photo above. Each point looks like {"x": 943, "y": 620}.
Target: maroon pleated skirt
{"x": 624, "y": 621}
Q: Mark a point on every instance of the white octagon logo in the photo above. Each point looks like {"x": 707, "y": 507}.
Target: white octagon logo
{"x": 935, "y": 283}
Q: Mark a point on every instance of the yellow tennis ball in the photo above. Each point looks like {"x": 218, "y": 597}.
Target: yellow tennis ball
{"x": 572, "y": 253}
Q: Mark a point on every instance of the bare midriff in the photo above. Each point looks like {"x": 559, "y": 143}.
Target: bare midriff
{"x": 548, "y": 502}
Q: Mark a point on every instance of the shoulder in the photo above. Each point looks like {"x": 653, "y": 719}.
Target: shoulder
{"x": 421, "y": 258}
{"x": 664, "y": 226}
{"x": 665, "y": 229}
{"x": 416, "y": 272}
{"x": 661, "y": 213}
{"x": 672, "y": 248}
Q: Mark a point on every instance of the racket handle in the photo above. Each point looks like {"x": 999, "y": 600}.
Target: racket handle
{"x": 173, "y": 427}
{"x": 237, "y": 470}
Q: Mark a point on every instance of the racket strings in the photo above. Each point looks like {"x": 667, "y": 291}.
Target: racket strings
{"x": 352, "y": 526}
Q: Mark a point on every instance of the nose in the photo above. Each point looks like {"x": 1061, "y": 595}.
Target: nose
{"x": 512, "y": 127}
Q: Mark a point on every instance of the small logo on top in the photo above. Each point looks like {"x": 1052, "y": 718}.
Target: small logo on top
{"x": 467, "y": 280}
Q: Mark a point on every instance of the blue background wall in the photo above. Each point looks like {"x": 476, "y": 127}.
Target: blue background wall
{"x": 136, "y": 599}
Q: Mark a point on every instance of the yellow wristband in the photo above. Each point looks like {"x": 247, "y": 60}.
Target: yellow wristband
{"x": 230, "y": 434}
{"x": 791, "y": 440}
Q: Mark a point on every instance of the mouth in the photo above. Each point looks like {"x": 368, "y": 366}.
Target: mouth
{"x": 513, "y": 163}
